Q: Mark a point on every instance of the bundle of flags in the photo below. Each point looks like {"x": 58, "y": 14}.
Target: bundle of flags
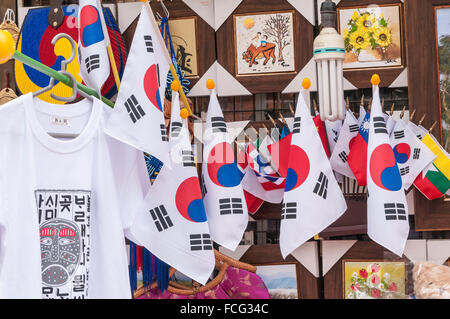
{"x": 184, "y": 214}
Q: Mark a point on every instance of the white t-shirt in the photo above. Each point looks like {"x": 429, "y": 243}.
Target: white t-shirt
{"x": 65, "y": 204}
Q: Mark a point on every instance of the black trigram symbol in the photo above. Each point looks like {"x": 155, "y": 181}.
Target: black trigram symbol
{"x": 343, "y": 156}
{"x": 289, "y": 211}
{"x": 203, "y": 186}
{"x": 188, "y": 158}
{"x": 175, "y": 129}
{"x": 164, "y": 136}
{"x": 201, "y": 242}
{"x": 218, "y": 124}
{"x": 148, "y": 43}
{"x": 416, "y": 153}
{"x": 229, "y": 206}
{"x": 297, "y": 125}
{"x": 395, "y": 211}
{"x": 419, "y": 137}
{"x": 161, "y": 218}
{"x": 353, "y": 128}
{"x": 379, "y": 125}
{"x": 335, "y": 133}
{"x": 321, "y": 186}
{"x": 404, "y": 171}
{"x": 399, "y": 134}
{"x": 134, "y": 110}
{"x": 92, "y": 62}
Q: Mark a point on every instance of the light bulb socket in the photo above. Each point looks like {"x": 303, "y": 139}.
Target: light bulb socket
{"x": 328, "y": 13}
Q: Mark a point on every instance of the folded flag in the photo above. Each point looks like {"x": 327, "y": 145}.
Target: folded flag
{"x": 390, "y": 123}
{"x": 172, "y": 223}
{"x": 387, "y": 211}
{"x": 418, "y": 130}
{"x": 333, "y": 130}
{"x": 93, "y": 40}
{"x": 279, "y": 152}
{"x": 411, "y": 155}
{"x": 312, "y": 199}
{"x": 224, "y": 199}
{"x": 362, "y": 115}
{"x": 340, "y": 153}
{"x": 137, "y": 118}
{"x": 322, "y": 134}
{"x": 357, "y": 156}
{"x": 434, "y": 182}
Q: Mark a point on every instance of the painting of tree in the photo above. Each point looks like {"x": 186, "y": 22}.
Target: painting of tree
{"x": 278, "y": 26}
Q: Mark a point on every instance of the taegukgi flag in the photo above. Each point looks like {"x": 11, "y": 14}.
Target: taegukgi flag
{"x": 387, "y": 211}
{"x": 92, "y": 44}
{"x": 339, "y": 157}
{"x": 224, "y": 199}
{"x": 137, "y": 118}
{"x": 312, "y": 198}
{"x": 172, "y": 223}
{"x": 411, "y": 154}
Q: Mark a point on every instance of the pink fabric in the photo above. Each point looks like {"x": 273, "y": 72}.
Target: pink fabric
{"x": 236, "y": 284}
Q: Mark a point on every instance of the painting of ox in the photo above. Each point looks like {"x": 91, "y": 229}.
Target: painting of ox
{"x": 264, "y": 43}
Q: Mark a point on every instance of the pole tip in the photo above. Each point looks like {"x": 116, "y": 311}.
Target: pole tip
{"x": 210, "y": 84}
{"x": 184, "y": 113}
{"x": 7, "y": 46}
{"x": 175, "y": 86}
{"x": 375, "y": 80}
{"x": 306, "y": 83}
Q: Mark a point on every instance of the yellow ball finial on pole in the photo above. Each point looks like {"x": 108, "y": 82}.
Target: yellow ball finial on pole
{"x": 175, "y": 86}
{"x": 375, "y": 80}
{"x": 210, "y": 84}
{"x": 7, "y": 46}
{"x": 184, "y": 113}
{"x": 306, "y": 83}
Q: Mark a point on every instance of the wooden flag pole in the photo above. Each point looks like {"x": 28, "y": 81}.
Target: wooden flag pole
{"x": 403, "y": 112}
{"x": 292, "y": 110}
{"x": 167, "y": 56}
{"x": 411, "y": 116}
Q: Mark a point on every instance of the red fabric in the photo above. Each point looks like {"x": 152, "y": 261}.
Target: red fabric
{"x": 357, "y": 159}
{"x": 138, "y": 258}
{"x": 426, "y": 187}
{"x": 253, "y": 203}
{"x": 279, "y": 151}
{"x": 322, "y": 133}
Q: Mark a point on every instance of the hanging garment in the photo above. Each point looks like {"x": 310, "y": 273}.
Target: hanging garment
{"x": 236, "y": 284}
{"x": 65, "y": 205}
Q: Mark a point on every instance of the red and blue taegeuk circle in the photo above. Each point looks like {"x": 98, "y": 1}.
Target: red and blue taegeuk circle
{"x": 299, "y": 167}
{"x": 383, "y": 168}
{"x": 189, "y": 200}
{"x": 222, "y": 168}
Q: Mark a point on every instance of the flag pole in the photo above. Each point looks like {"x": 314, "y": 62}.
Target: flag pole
{"x": 166, "y": 55}
{"x": 112, "y": 61}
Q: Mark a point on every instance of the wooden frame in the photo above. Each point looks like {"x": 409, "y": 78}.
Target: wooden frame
{"x": 366, "y": 251}
{"x": 265, "y": 83}
{"x": 205, "y": 34}
{"x": 259, "y": 255}
{"x": 360, "y": 78}
{"x": 424, "y": 93}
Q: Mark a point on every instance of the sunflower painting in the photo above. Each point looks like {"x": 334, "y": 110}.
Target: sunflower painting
{"x": 372, "y": 36}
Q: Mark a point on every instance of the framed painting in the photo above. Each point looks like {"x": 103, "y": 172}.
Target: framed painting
{"x": 373, "y": 279}
{"x": 368, "y": 271}
{"x": 374, "y": 37}
{"x": 183, "y": 33}
{"x": 284, "y": 278}
{"x": 264, "y": 43}
{"x": 427, "y": 90}
{"x": 265, "y": 46}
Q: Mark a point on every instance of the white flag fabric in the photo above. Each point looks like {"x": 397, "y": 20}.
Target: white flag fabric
{"x": 340, "y": 153}
{"x": 418, "y": 130}
{"x": 387, "y": 210}
{"x": 172, "y": 222}
{"x": 333, "y": 130}
{"x": 312, "y": 199}
{"x": 362, "y": 115}
{"x": 390, "y": 123}
{"x": 224, "y": 199}
{"x": 137, "y": 118}
{"x": 411, "y": 154}
{"x": 92, "y": 43}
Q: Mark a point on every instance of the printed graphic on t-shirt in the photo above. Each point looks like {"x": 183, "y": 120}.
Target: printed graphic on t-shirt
{"x": 64, "y": 222}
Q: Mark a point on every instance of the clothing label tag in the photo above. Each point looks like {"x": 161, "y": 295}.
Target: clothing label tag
{"x": 60, "y": 121}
